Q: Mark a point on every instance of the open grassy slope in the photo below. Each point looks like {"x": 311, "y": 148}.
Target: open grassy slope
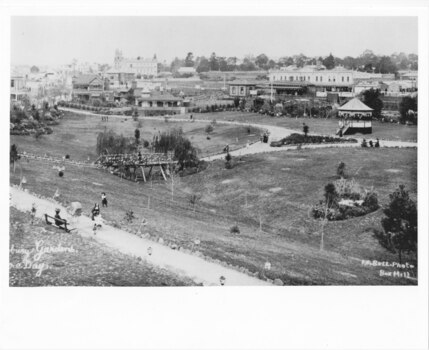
{"x": 88, "y": 264}
{"x": 279, "y": 187}
{"x": 76, "y": 135}
{"x": 385, "y": 131}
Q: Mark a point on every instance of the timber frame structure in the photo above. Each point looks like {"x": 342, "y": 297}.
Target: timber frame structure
{"x": 133, "y": 166}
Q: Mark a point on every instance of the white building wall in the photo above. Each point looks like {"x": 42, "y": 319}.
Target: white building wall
{"x": 320, "y": 77}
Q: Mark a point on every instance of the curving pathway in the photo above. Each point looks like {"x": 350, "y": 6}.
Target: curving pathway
{"x": 194, "y": 267}
{"x": 275, "y": 132}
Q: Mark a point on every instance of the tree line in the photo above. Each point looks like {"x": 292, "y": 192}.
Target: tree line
{"x": 368, "y": 61}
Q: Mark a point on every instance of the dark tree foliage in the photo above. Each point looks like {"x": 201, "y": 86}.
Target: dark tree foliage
{"x": 331, "y": 195}
{"x": 408, "y": 104}
{"x": 14, "y": 154}
{"x": 329, "y": 62}
{"x": 305, "y": 129}
{"x": 113, "y": 143}
{"x": 341, "y": 170}
{"x": 400, "y": 224}
{"x": 372, "y": 99}
{"x": 174, "y": 141}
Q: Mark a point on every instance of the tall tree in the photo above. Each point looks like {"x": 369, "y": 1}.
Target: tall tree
{"x": 385, "y": 65}
{"x": 214, "y": 64}
{"x": 407, "y": 108}
{"x": 261, "y": 60}
{"x": 372, "y": 99}
{"x": 189, "y": 60}
{"x": 231, "y": 63}
{"x": 400, "y": 224}
{"x": 329, "y": 62}
{"x": 203, "y": 65}
{"x": 223, "y": 65}
{"x": 34, "y": 69}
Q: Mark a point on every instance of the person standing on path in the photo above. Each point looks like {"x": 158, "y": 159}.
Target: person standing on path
{"x": 103, "y": 200}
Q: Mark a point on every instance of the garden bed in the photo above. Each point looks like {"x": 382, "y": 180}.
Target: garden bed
{"x": 345, "y": 199}
{"x": 300, "y": 139}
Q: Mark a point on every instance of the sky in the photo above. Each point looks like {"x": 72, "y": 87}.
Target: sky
{"x": 58, "y": 40}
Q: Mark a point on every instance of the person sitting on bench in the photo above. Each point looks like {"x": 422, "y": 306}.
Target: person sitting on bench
{"x": 95, "y": 211}
{"x": 58, "y": 220}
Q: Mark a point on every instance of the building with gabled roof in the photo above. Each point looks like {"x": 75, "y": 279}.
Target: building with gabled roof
{"x": 88, "y": 87}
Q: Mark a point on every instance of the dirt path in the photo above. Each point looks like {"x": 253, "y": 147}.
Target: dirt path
{"x": 196, "y": 268}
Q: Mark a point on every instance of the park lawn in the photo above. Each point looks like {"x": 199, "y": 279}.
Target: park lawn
{"x": 90, "y": 263}
{"x": 289, "y": 239}
{"x": 76, "y": 135}
{"x": 383, "y": 131}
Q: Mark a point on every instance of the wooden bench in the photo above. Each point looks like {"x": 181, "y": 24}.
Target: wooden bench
{"x": 63, "y": 222}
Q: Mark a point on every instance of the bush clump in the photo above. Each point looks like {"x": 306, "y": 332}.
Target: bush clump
{"x": 297, "y": 139}
{"x": 234, "y": 229}
{"x": 345, "y": 199}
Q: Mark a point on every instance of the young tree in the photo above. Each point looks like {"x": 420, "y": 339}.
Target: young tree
{"x": 331, "y": 195}
{"x": 305, "y": 129}
{"x": 341, "y": 170}
{"x": 228, "y": 158}
{"x": 14, "y": 156}
{"x": 209, "y": 129}
{"x": 137, "y": 136}
{"x": 400, "y": 224}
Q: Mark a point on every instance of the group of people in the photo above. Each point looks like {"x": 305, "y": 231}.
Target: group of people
{"x": 105, "y": 118}
{"x": 60, "y": 222}
{"x": 371, "y": 143}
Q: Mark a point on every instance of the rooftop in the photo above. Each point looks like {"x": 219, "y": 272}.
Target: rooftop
{"x": 86, "y": 79}
{"x": 355, "y": 105}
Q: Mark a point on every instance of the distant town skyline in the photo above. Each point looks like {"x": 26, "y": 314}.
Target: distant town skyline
{"x": 59, "y": 40}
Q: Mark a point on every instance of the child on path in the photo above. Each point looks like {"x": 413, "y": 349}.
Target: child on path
{"x": 103, "y": 199}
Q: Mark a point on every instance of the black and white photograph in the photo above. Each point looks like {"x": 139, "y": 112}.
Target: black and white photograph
{"x": 206, "y": 150}
{"x": 213, "y": 163}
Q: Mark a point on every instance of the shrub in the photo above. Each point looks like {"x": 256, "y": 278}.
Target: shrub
{"x": 209, "y": 129}
{"x": 295, "y": 139}
{"x": 113, "y": 143}
{"x": 129, "y": 216}
{"x": 371, "y": 201}
{"x": 234, "y": 229}
{"x": 341, "y": 170}
{"x": 145, "y": 143}
{"x": 399, "y": 224}
{"x": 38, "y": 134}
{"x": 331, "y": 195}
{"x": 183, "y": 150}
{"x": 348, "y": 189}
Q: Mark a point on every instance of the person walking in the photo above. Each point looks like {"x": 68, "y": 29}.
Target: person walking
{"x": 95, "y": 211}
{"x": 103, "y": 200}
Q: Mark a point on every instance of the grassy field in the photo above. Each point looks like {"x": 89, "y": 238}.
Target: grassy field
{"x": 279, "y": 188}
{"x": 88, "y": 263}
{"x": 384, "y": 131}
{"x": 76, "y": 135}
